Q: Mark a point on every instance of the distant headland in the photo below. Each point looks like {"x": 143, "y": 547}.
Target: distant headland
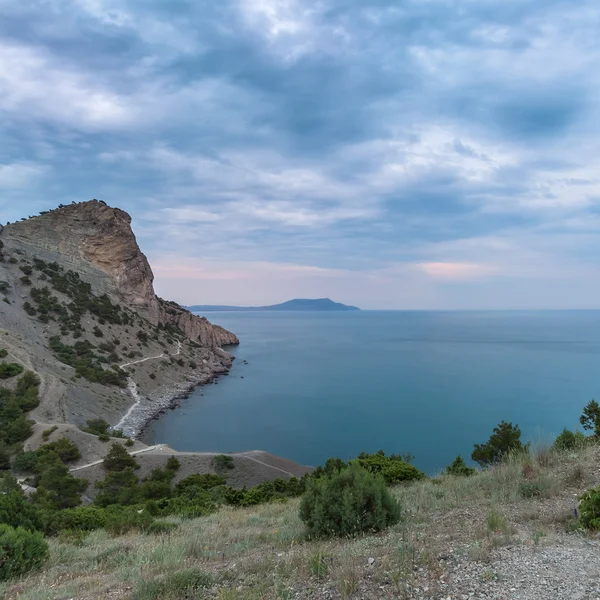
{"x": 298, "y": 305}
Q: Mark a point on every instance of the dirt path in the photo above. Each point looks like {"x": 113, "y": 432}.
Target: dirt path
{"x": 98, "y": 462}
{"x": 135, "y": 362}
{"x": 132, "y": 386}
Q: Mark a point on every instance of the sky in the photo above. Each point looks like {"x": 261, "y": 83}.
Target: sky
{"x": 392, "y": 154}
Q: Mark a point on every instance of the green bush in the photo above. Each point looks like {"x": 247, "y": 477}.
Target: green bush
{"x": 505, "y": 439}
{"x": 17, "y": 512}
{"x": 25, "y": 462}
{"x": 48, "y": 432}
{"x": 66, "y": 450}
{"x": 194, "y": 482}
{"x": 57, "y": 488}
{"x": 569, "y": 440}
{"x": 459, "y": 468}
{"x": 96, "y": 426}
{"x": 3, "y": 352}
{"x": 350, "y": 502}
{"x": 10, "y": 370}
{"x": 129, "y": 443}
{"x": 223, "y": 462}
{"x": 81, "y": 518}
{"x": 21, "y": 551}
{"x": 120, "y": 521}
{"x": 173, "y": 463}
{"x": 118, "y": 459}
{"x": 589, "y": 509}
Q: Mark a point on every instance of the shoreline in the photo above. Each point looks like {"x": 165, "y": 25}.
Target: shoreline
{"x": 148, "y": 408}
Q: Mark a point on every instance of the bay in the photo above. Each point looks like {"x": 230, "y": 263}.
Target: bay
{"x": 430, "y": 383}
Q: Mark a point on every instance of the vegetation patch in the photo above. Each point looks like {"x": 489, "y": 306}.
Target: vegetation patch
{"x": 21, "y": 551}
{"x": 350, "y": 502}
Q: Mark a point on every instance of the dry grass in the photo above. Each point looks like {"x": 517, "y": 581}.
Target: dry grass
{"x": 262, "y": 553}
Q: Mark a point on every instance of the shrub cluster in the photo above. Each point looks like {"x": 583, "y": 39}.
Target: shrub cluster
{"x": 347, "y": 503}
{"x": 21, "y": 551}
{"x": 14, "y": 425}
{"x": 10, "y": 370}
{"x": 86, "y": 363}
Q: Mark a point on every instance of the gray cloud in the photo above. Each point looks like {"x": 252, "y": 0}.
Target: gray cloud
{"x": 359, "y": 138}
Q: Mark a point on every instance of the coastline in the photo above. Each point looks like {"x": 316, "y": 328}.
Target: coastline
{"x": 167, "y": 397}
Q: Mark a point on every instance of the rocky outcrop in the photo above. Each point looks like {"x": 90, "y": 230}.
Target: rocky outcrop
{"x": 100, "y": 237}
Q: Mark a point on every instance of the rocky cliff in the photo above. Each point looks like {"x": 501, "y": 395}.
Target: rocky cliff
{"x": 77, "y": 307}
{"x": 95, "y": 235}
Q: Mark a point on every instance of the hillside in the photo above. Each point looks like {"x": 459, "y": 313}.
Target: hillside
{"x": 299, "y": 304}
{"x": 78, "y": 310}
{"x": 79, "y": 303}
{"x": 485, "y": 537}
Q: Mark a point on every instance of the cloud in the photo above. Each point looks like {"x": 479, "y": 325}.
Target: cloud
{"x": 425, "y": 152}
{"x": 20, "y": 175}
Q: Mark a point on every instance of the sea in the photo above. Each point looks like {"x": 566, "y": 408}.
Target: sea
{"x": 309, "y": 386}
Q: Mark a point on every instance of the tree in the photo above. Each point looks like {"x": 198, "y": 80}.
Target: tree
{"x": 173, "y": 463}
{"x": 17, "y": 512}
{"x": 66, "y": 450}
{"x": 459, "y": 468}
{"x": 119, "y": 487}
{"x": 590, "y": 419}
{"x": 4, "y": 458}
{"x": 506, "y": 438}
{"x": 58, "y": 489}
{"x": 118, "y": 459}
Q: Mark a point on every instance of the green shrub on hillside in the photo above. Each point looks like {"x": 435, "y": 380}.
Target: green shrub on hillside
{"x": 25, "y": 462}
{"x": 21, "y": 551}
{"x": 17, "y": 512}
{"x": 119, "y": 522}
{"x": 569, "y": 440}
{"x": 505, "y": 439}
{"x": 4, "y": 457}
{"x": 57, "y": 488}
{"x": 3, "y": 352}
{"x": 66, "y": 450}
{"x": 350, "y": 502}
{"x": 118, "y": 459}
{"x": 96, "y": 426}
{"x": 589, "y": 509}
{"x": 459, "y": 468}
{"x": 173, "y": 463}
{"x": 223, "y": 462}
{"x": 10, "y": 370}
{"x": 86, "y": 363}
{"x": 81, "y": 518}
{"x": 119, "y": 487}
{"x": 393, "y": 468}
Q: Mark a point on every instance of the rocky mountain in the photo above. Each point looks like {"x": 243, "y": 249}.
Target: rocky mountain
{"x": 77, "y": 306}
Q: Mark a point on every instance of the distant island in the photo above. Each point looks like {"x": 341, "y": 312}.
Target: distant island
{"x": 298, "y": 305}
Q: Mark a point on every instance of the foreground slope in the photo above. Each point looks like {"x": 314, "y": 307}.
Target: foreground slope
{"x": 506, "y": 533}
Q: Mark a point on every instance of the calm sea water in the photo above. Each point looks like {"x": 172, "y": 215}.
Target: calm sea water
{"x": 431, "y": 383}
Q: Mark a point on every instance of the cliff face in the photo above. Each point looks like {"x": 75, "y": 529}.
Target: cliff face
{"x": 96, "y": 235}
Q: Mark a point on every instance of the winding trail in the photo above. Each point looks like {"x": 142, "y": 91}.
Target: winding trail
{"x": 132, "y": 387}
